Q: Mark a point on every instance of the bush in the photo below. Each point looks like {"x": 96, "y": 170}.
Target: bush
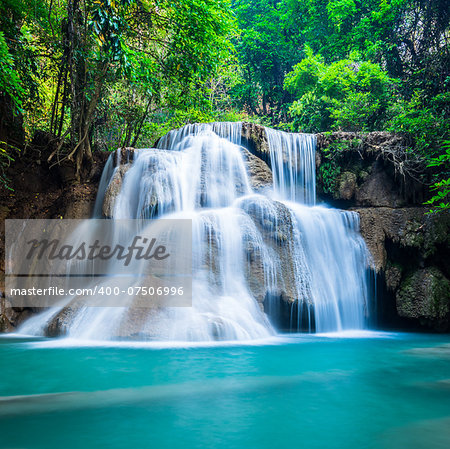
{"x": 350, "y": 94}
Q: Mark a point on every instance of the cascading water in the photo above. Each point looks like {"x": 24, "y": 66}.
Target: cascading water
{"x": 293, "y": 163}
{"x": 248, "y": 248}
{"x": 336, "y": 256}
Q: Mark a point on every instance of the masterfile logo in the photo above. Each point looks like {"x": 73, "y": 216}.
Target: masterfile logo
{"x": 132, "y": 263}
{"x": 55, "y": 249}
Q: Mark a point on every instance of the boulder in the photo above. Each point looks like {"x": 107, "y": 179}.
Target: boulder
{"x": 113, "y": 189}
{"x": 277, "y": 230}
{"x": 259, "y": 172}
{"x": 255, "y": 139}
{"x": 424, "y": 295}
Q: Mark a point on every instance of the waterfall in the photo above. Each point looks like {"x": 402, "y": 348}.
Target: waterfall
{"x": 336, "y": 255}
{"x": 293, "y": 162}
{"x": 258, "y": 258}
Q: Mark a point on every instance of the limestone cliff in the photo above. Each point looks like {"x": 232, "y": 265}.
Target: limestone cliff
{"x": 374, "y": 175}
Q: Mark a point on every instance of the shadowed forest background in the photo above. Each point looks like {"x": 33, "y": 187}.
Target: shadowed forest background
{"x": 95, "y": 75}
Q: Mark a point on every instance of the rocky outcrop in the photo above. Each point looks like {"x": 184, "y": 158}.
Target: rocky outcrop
{"x": 406, "y": 243}
{"x": 36, "y": 191}
{"x": 113, "y": 190}
{"x": 259, "y": 172}
{"x": 373, "y": 174}
{"x": 255, "y": 139}
{"x": 369, "y": 169}
{"x": 425, "y": 296}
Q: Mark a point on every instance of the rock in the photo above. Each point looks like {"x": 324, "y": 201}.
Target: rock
{"x": 5, "y": 316}
{"x": 113, "y": 190}
{"x": 278, "y": 238}
{"x": 411, "y": 229}
{"x": 347, "y": 185}
{"x": 59, "y": 324}
{"x": 255, "y": 139}
{"x": 259, "y": 172}
{"x": 425, "y": 295}
{"x": 377, "y": 189}
{"x": 126, "y": 156}
{"x": 411, "y": 252}
{"x": 385, "y": 172}
{"x": 393, "y": 276}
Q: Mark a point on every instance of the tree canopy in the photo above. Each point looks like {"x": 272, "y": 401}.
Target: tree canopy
{"x": 97, "y": 74}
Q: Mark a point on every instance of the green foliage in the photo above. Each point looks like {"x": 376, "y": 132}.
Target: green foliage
{"x": 70, "y": 64}
{"x": 328, "y": 174}
{"x": 349, "y": 94}
{"x": 441, "y": 188}
{"x": 18, "y": 65}
{"x": 9, "y": 79}
{"x": 5, "y": 161}
{"x": 406, "y": 38}
{"x": 424, "y": 120}
{"x": 130, "y": 70}
{"x": 267, "y": 49}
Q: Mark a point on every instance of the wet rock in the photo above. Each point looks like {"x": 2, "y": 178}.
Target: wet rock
{"x": 274, "y": 221}
{"x": 259, "y": 172}
{"x": 425, "y": 295}
{"x": 255, "y": 139}
{"x": 113, "y": 190}
{"x": 60, "y": 324}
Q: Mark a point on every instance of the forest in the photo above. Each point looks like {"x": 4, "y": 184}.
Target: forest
{"x": 99, "y": 74}
{"x": 285, "y": 167}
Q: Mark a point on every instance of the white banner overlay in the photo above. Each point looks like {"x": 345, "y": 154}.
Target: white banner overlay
{"x": 100, "y": 263}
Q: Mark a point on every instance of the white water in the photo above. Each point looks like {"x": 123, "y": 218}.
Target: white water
{"x": 198, "y": 172}
{"x": 293, "y": 163}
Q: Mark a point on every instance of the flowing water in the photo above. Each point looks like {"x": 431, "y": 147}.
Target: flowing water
{"x": 352, "y": 390}
{"x": 373, "y": 391}
{"x": 319, "y": 267}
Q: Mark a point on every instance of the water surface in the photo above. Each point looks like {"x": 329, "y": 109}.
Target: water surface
{"x": 363, "y": 390}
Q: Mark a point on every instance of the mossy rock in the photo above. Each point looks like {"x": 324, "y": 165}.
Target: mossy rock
{"x": 346, "y": 186}
{"x": 425, "y": 295}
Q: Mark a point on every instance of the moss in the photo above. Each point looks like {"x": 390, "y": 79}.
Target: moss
{"x": 413, "y": 235}
{"x": 425, "y": 295}
{"x": 362, "y": 176}
{"x": 437, "y": 232}
{"x": 329, "y": 172}
{"x": 440, "y": 300}
{"x": 346, "y": 186}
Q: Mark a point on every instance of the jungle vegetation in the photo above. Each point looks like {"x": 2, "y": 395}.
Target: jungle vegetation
{"x": 97, "y": 74}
